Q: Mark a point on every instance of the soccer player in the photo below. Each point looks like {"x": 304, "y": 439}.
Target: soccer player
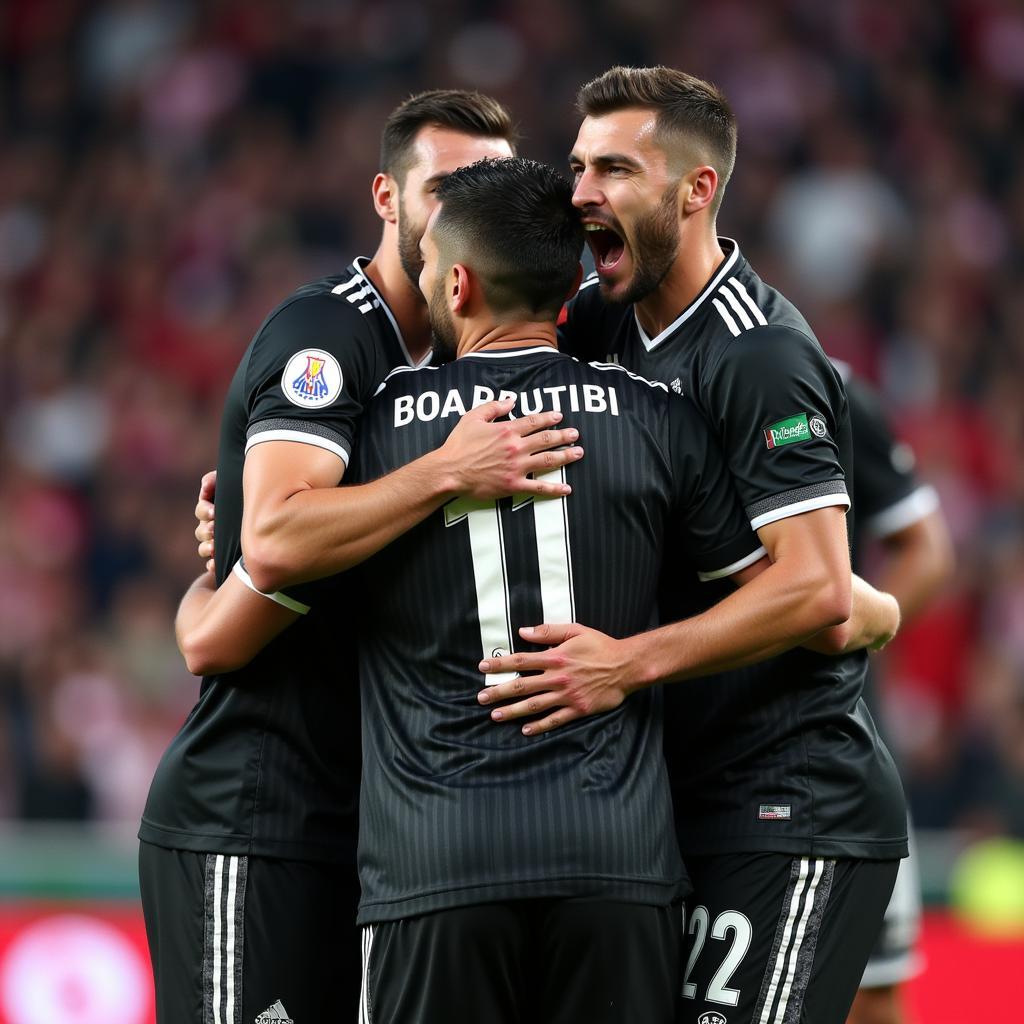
{"x": 505, "y": 879}
{"x": 903, "y": 517}
{"x": 248, "y": 836}
{"x": 789, "y": 808}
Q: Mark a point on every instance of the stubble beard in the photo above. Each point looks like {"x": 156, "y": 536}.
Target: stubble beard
{"x": 442, "y": 327}
{"x": 655, "y": 249}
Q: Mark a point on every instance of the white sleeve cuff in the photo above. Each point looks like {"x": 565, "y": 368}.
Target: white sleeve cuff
{"x": 729, "y": 570}
{"x": 799, "y": 507}
{"x": 301, "y": 437}
{"x": 909, "y": 510}
{"x": 282, "y": 599}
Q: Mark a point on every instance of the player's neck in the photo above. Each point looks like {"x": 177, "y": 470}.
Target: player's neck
{"x": 699, "y": 257}
{"x": 405, "y": 302}
{"x": 507, "y": 337}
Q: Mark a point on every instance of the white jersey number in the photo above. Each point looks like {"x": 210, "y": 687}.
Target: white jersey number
{"x": 490, "y": 569}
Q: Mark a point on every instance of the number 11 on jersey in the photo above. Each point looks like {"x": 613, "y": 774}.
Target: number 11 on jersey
{"x": 490, "y": 568}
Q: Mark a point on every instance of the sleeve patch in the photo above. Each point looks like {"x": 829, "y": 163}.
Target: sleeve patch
{"x": 312, "y": 379}
{"x": 794, "y": 429}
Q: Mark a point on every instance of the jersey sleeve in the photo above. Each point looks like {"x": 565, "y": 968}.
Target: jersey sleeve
{"x": 778, "y": 407}
{"x": 887, "y": 495}
{"x": 311, "y": 371}
{"x": 715, "y": 531}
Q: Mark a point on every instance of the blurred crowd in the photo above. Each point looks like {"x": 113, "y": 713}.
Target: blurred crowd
{"x": 170, "y": 170}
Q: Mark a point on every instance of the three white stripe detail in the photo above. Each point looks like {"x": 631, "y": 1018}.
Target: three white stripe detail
{"x": 366, "y": 292}
{"x": 739, "y": 300}
{"x": 792, "y": 938}
{"x": 222, "y": 1005}
{"x": 364, "y": 991}
{"x": 218, "y": 871}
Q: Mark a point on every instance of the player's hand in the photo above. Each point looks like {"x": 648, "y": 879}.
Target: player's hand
{"x": 204, "y": 513}
{"x": 586, "y": 673}
{"x": 488, "y": 459}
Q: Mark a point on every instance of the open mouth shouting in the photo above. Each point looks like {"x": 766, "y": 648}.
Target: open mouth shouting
{"x": 606, "y": 245}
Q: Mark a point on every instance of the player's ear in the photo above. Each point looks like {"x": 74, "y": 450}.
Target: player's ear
{"x": 697, "y": 189}
{"x": 385, "y": 197}
{"x": 459, "y": 288}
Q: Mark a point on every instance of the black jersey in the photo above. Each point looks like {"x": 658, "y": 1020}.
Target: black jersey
{"x": 781, "y": 756}
{"x": 455, "y": 808}
{"x": 267, "y": 762}
{"x": 887, "y": 495}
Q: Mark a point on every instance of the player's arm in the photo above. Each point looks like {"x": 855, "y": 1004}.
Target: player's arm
{"x": 222, "y": 630}
{"x": 298, "y": 525}
{"x": 796, "y": 500}
{"x": 918, "y": 563}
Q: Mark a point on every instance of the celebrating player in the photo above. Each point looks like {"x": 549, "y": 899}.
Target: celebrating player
{"x": 248, "y": 835}
{"x": 789, "y": 809}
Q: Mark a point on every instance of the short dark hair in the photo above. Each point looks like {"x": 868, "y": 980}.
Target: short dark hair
{"x": 461, "y": 110}
{"x": 513, "y": 223}
{"x": 688, "y": 110}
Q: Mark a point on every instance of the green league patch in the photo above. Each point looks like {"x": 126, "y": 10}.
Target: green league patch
{"x": 794, "y": 430}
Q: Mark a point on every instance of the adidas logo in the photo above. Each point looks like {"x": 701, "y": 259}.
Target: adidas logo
{"x": 677, "y": 386}
{"x": 275, "y": 1014}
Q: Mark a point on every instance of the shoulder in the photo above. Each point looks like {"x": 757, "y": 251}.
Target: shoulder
{"x": 774, "y": 351}
{"x": 320, "y": 305}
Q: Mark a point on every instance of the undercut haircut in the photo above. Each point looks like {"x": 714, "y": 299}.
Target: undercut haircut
{"x": 693, "y": 116}
{"x": 461, "y": 110}
{"x": 512, "y": 222}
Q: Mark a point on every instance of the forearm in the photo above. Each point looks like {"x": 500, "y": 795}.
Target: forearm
{"x": 873, "y": 622}
{"x": 318, "y": 532}
{"x": 222, "y": 629}
{"x": 779, "y": 609}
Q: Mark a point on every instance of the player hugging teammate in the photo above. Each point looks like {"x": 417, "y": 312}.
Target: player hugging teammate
{"x": 515, "y": 874}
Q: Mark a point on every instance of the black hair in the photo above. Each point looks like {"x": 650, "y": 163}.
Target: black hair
{"x": 512, "y": 222}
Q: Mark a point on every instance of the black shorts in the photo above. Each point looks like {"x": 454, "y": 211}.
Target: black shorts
{"x": 537, "y": 961}
{"x": 238, "y": 940}
{"x": 773, "y": 939}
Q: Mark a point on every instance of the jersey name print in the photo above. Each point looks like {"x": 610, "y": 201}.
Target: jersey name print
{"x": 792, "y": 731}
{"x": 267, "y": 763}
{"x": 456, "y": 809}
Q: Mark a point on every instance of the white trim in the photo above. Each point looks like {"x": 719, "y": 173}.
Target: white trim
{"x": 359, "y": 293}
{"x": 358, "y": 268}
{"x": 907, "y": 511}
{"x": 729, "y": 570}
{"x": 780, "y": 956}
{"x": 299, "y": 436}
{"x": 882, "y": 972}
{"x": 630, "y": 374}
{"x": 340, "y": 289}
{"x": 748, "y": 324}
{"x": 364, "y": 990}
{"x": 742, "y": 292}
{"x": 591, "y": 279}
{"x": 794, "y": 953}
{"x": 511, "y": 353}
{"x": 229, "y": 942}
{"x": 799, "y": 507}
{"x": 277, "y": 597}
{"x": 727, "y": 265}
{"x": 724, "y": 313}
{"x": 219, "y": 864}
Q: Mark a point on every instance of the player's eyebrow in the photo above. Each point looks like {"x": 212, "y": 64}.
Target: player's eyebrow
{"x": 608, "y": 159}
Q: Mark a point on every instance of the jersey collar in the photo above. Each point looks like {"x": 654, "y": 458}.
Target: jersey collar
{"x": 728, "y": 264}
{"x": 357, "y": 266}
{"x": 511, "y": 353}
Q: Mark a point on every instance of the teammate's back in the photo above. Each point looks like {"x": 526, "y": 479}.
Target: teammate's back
{"x": 483, "y": 813}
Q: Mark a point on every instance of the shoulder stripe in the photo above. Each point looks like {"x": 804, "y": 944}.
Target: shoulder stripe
{"x": 744, "y": 316}
{"x": 355, "y": 296}
{"x": 742, "y": 292}
{"x": 629, "y": 373}
{"x": 340, "y": 289}
{"x": 724, "y": 313}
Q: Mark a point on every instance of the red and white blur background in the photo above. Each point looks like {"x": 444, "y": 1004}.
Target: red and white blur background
{"x": 170, "y": 169}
